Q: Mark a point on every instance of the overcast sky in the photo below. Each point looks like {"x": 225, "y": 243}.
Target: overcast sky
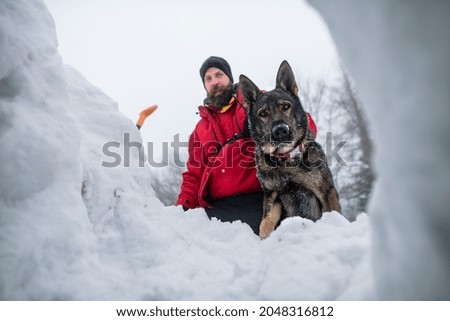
{"x": 144, "y": 52}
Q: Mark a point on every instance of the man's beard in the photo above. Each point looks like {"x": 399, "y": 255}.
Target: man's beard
{"x": 223, "y": 99}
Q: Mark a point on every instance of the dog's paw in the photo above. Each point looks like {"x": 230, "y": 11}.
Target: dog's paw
{"x": 265, "y": 229}
{"x": 270, "y": 220}
{"x": 263, "y": 236}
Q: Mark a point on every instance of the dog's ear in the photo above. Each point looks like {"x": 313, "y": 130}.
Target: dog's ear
{"x": 250, "y": 92}
{"x": 286, "y": 78}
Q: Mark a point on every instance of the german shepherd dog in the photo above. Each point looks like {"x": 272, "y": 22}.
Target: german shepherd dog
{"x": 291, "y": 165}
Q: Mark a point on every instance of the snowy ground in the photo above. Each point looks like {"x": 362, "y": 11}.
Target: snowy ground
{"x": 72, "y": 229}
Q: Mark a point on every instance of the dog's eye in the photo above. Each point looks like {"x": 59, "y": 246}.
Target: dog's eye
{"x": 263, "y": 114}
{"x": 285, "y": 106}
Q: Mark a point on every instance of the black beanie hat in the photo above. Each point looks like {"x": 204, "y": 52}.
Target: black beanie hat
{"x": 217, "y": 62}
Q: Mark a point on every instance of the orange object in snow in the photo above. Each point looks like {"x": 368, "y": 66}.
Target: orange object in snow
{"x": 144, "y": 114}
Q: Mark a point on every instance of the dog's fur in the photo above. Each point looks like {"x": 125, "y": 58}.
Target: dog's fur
{"x": 300, "y": 184}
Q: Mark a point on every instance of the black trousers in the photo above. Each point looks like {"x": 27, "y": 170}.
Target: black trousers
{"x": 247, "y": 208}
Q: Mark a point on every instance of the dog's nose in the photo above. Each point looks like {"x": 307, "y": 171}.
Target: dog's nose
{"x": 280, "y": 132}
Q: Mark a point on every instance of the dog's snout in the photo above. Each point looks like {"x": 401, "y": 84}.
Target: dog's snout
{"x": 280, "y": 131}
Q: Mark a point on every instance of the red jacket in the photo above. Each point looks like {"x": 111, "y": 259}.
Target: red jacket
{"x": 221, "y": 162}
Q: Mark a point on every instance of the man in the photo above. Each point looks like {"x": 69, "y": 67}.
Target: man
{"x": 221, "y": 173}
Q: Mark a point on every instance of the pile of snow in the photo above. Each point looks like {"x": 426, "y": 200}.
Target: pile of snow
{"x": 401, "y": 67}
{"x": 72, "y": 228}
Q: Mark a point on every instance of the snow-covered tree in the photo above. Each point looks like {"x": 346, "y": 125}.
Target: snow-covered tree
{"x": 343, "y": 127}
{"x": 167, "y": 179}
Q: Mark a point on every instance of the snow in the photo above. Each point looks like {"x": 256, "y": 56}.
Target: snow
{"x": 72, "y": 229}
{"x": 401, "y": 67}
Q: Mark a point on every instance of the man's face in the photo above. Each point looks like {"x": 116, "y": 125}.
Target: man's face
{"x": 216, "y": 81}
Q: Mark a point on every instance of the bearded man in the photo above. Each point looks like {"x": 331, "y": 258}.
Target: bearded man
{"x": 220, "y": 172}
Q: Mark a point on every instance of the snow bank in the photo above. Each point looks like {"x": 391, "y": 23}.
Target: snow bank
{"x": 401, "y": 67}
{"x": 41, "y": 207}
{"x": 74, "y": 229}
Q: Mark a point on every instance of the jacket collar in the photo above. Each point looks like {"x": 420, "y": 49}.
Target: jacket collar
{"x": 207, "y": 108}
{"x": 230, "y": 103}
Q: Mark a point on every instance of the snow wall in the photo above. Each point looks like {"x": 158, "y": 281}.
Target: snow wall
{"x": 398, "y": 53}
